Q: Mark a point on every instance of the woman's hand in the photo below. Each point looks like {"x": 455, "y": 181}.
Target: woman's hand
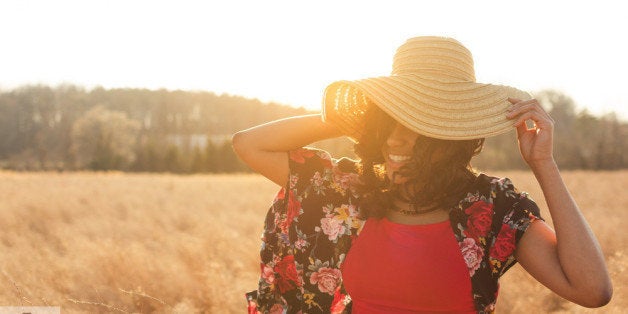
{"x": 535, "y": 143}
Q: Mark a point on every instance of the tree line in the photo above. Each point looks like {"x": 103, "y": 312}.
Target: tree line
{"x": 581, "y": 139}
{"x": 71, "y": 128}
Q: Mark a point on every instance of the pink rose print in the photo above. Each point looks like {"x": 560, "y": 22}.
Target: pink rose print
{"x": 345, "y": 180}
{"x": 472, "y": 254}
{"x": 332, "y": 228}
{"x": 490, "y": 308}
{"x": 300, "y": 244}
{"x": 268, "y": 274}
{"x": 504, "y": 244}
{"x": 327, "y": 279}
{"x": 293, "y": 181}
{"x": 276, "y": 309}
{"x": 480, "y": 219}
{"x": 317, "y": 179}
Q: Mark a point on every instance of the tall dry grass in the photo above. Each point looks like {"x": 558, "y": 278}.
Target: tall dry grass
{"x": 144, "y": 243}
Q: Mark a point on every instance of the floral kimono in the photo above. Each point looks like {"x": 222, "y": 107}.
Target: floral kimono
{"x": 314, "y": 219}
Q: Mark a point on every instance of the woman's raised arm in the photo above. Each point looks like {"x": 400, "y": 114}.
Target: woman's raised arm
{"x": 264, "y": 147}
{"x": 569, "y": 261}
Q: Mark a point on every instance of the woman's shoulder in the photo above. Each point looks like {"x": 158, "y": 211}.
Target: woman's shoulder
{"x": 502, "y": 193}
{"x": 306, "y": 154}
{"x": 498, "y": 182}
{"x": 495, "y": 185}
{"x": 313, "y": 168}
{"x": 498, "y": 191}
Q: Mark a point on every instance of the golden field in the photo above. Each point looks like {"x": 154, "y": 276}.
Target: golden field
{"x": 141, "y": 243}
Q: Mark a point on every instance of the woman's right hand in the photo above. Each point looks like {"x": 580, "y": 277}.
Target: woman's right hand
{"x": 264, "y": 148}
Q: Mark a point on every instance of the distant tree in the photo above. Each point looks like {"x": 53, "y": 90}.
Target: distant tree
{"x": 612, "y": 144}
{"x": 103, "y": 139}
{"x": 199, "y": 161}
{"x": 499, "y": 152}
{"x": 585, "y": 137}
{"x": 562, "y": 109}
{"x": 173, "y": 159}
{"x": 147, "y": 158}
{"x": 212, "y": 160}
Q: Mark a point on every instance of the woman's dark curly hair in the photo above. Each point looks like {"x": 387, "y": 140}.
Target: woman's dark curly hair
{"x": 438, "y": 184}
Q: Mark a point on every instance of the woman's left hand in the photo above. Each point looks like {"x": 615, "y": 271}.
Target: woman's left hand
{"x": 535, "y": 143}
{"x": 569, "y": 261}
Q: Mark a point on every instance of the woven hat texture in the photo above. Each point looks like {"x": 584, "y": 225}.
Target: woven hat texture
{"x": 431, "y": 90}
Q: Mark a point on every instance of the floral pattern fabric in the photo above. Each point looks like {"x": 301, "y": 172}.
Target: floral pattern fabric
{"x": 314, "y": 219}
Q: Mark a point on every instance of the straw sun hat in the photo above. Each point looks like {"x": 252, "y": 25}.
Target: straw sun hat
{"x": 432, "y": 91}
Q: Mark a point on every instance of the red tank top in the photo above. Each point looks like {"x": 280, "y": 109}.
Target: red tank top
{"x": 397, "y": 268}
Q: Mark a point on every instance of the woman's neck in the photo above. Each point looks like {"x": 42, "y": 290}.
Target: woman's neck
{"x": 430, "y": 217}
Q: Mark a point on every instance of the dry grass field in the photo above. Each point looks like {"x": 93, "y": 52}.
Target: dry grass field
{"x": 140, "y": 243}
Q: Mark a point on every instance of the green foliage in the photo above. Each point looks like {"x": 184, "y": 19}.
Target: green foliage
{"x": 581, "y": 140}
{"x": 71, "y": 128}
{"x": 103, "y": 140}
{"x": 68, "y": 127}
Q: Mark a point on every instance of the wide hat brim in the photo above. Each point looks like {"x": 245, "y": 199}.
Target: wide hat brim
{"x": 430, "y": 106}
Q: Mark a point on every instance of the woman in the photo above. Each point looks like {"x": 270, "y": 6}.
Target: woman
{"x": 410, "y": 228}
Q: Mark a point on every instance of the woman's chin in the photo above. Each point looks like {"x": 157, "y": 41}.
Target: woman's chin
{"x": 401, "y": 181}
{"x": 398, "y": 179}
{"x": 391, "y": 168}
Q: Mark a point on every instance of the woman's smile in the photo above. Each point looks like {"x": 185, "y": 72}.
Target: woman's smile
{"x": 399, "y": 158}
{"x": 395, "y": 161}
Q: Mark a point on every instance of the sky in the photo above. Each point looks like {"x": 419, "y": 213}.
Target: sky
{"x": 289, "y": 51}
